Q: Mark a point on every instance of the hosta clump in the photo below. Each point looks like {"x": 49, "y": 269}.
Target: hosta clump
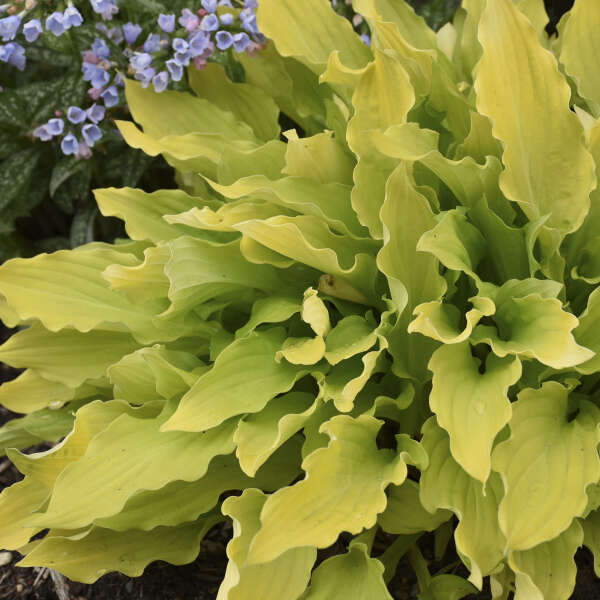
{"x": 406, "y": 277}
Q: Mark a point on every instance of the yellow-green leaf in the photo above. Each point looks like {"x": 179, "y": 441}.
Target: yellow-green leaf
{"x": 473, "y": 407}
{"x": 549, "y": 170}
{"x": 546, "y": 464}
{"x": 284, "y": 577}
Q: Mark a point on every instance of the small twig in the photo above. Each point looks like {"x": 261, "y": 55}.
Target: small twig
{"x": 43, "y": 573}
{"x": 60, "y": 585}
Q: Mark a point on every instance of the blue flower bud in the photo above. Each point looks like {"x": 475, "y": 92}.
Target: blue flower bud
{"x": 55, "y": 126}
{"x": 32, "y": 30}
{"x": 9, "y": 27}
{"x": 366, "y": 39}
{"x": 224, "y": 40}
{"x": 110, "y": 96}
{"x": 100, "y": 48}
{"x": 95, "y": 113}
{"x": 225, "y": 3}
{"x": 69, "y": 145}
{"x": 72, "y": 17}
{"x": 76, "y": 114}
{"x": 210, "y": 23}
{"x": 176, "y": 69}
{"x": 226, "y": 19}
{"x": 91, "y": 134}
{"x": 132, "y": 32}
{"x": 56, "y": 23}
{"x": 166, "y": 23}
{"x": 160, "y": 81}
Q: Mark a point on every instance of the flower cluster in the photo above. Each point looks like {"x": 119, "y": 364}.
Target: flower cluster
{"x": 79, "y": 121}
{"x": 155, "y": 53}
{"x": 217, "y": 25}
{"x": 56, "y": 23}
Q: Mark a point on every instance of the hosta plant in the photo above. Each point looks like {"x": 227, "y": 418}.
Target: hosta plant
{"x": 379, "y": 322}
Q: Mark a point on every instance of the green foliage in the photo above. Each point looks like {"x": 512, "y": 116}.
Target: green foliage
{"x": 382, "y": 322}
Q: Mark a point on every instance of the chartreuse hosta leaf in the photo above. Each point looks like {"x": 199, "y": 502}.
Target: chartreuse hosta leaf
{"x": 141, "y": 450}
{"x": 547, "y": 571}
{"x": 353, "y": 575}
{"x": 546, "y": 464}
{"x": 293, "y": 517}
{"x": 514, "y": 70}
{"x": 143, "y": 213}
{"x": 184, "y": 501}
{"x": 284, "y": 577}
{"x": 591, "y": 537}
{"x": 578, "y": 46}
{"x": 472, "y": 407}
{"x": 245, "y": 377}
{"x": 310, "y": 33}
{"x": 87, "y": 556}
{"x": 444, "y": 484}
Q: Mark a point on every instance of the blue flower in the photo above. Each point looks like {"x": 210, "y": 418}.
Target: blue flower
{"x": 72, "y": 17}
{"x": 160, "y": 81}
{"x": 249, "y": 24}
{"x": 89, "y": 70}
{"x": 132, "y": 32}
{"x": 110, "y": 96}
{"x": 141, "y": 60}
{"x": 69, "y": 145}
{"x": 145, "y": 76}
{"x": 42, "y": 133}
{"x": 199, "y": 42}
{"x": 102, "y": 6}
{"x": 182, "y": 58}
{"x": 17, "y": 56}
{"x": 180, "y": 45}
{"x": 176, "y": 69}
{"x": 209, "y": 5}
{"x": 250, "y": 4}
{"x": 32, "y": 30}
{"x": 188, "y": 20}
{"x": 56, "y": 23}
{"x": 100, "y": 48}
{"x": 225, "y": 3}
{"x": 76, "y": 114}
{"x": 166, "y": 23}
{"x": 100, "y": 78}
{"x": 224, "y": 40}
{"x": 152, "y": 43}
{"x": 240, "y": 42}
{"x": 115, "y": 35}
{"x": 366, "y": 39}
{"x": 210, "y": 23}
{"x": 55, "y": 126}
{"x": 95, "y": 113}
{"x": 226, "y": 19}
{"x": 91, "y": 134}
{"x": 9, "y": 26}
